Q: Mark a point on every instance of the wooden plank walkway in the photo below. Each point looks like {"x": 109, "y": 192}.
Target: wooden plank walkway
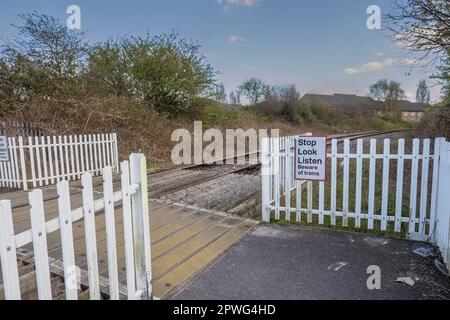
{"x": 185, "y": 239}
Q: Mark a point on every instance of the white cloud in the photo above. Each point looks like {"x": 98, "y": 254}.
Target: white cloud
{"x": 410, "y": 96}
{"x": 410, "y": 62}
{"x": 234, "y": 39}
{"x": 379, "y": 54}
{"x": 236, "y": 3}
{"x": 371, "y": 66}
{"x": 380, "y": 65}
{"x": 351, "y": 71}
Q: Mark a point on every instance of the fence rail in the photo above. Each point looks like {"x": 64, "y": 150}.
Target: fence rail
{"x": 133, "y": 197}
{"x": 16, "y": 129}
{"x": 368, "y": 189}
{"x": 39, "y": 161}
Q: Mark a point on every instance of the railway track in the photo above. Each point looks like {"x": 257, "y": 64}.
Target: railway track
{"x": 222, "y": 187}
{"x": 175, "y": 181}
{"x": 219, "y": 187}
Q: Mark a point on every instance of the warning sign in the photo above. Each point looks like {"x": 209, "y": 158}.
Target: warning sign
{"x": 310, "y": 158}
{"x": 4, "y": 155}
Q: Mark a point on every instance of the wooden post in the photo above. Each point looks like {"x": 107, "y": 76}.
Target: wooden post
{"x": 141, "y": 225}
{"x": 23, "y": 167}
{"x": 8, "y": 256}
{"x": 265, "y": 176}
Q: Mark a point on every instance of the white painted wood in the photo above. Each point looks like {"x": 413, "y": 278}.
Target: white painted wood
{"x": 33, "y": 172}
{"x": 276, "y": 165}
{"x": 23, "y": 168}
{"x": 72, "y": 158}
{"x": 434, "y": 187}
{"x": 44, "y": 160}
{"x": 99, "y": 150}
{"x": 103, "y": 143}
{"x": 108, "y": 150}
{"x": 110, "y": 233}
{"x": 67, "y": 158}
{"x": 50, "y": 160}
{"x": 321, "y": 202}
{"x": 86, "y": 153}
{"x": 8, "y": 258}
{"x": 10, "y": 164}
{"x": 288, "y": 178}
{"x": 96, "y": 164}
{"x": 55, "y": 152}
{"x": 424, "y": 186}
{"x": 83, "y": 156}
{"x": 91, "y": 238}
{"x": 265, "y": 177}
{"x": 128, "y": 229}
{"x": 38, "y": 161}
{"x": 346, "y": 181}
{"x": 372, "y": 177}
{"x": 116, "y": 153}
{"x": 39, "y": 233}
{"x": 399, "y": 188}
{"x": 3, "y": 174}
{"x": 298, "y": 196}
{"x": 141, "y": 225}
{"x": 310, "y": 202}
{"x": 91, "y": 154}
{"x": 385, "y": 184}
{"x": 442, "y": 231}
{"x": 358, "y": 186}
{"x": 61, "y": 158}
{"x": 333, "y": 180}
{"x": 16, "y": 162}
{"x": 77, "y": 156}
{"x": 413, "y": 186}
{"x": 65, "y": 221}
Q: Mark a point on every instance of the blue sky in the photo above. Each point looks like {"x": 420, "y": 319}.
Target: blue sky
{"x": 322, "y": 46}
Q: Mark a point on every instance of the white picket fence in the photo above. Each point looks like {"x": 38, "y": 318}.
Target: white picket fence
{"x": 428, "y": 209}
{"x": 39, "y": 161}
{"x": 136, "y": 227}
{"x": 15, "y": 129}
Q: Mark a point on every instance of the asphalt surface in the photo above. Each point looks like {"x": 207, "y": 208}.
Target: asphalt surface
{"x": 302, "y": 263}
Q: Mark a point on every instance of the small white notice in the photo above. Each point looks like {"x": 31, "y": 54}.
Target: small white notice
{"x": 4, "y": 155}
{"x": 310, "y": 158}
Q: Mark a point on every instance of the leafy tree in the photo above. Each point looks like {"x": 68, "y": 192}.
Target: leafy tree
{"x": 423, "y": 93}
{"x": 254, "y": 90}
{"x": 423, "y": 27}
{"x": 220, "y": 93}
{"x": 45, "y": 58}
{"x": 389, "y": 92}
{"x": 166, "y": 72}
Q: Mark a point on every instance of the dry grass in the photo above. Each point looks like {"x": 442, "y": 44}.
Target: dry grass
{"x": 139, "y": 128}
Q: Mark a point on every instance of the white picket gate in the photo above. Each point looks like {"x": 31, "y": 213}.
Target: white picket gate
{"x": 39, "y": 161}
{"x": 419, "y": 206}
{"x": 136, "y": 228}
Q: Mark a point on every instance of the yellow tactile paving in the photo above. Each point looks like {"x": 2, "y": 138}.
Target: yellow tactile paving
{"x": 184, "y": 239}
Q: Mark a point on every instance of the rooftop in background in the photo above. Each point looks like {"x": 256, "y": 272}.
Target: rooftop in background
{"x": 354, "y": 101}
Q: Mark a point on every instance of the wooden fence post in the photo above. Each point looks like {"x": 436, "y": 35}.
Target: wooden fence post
{"x": 141, "y": 225}
{"x": 8, "y": 256}
{"x": 265, "y": 176}
{"x": 23, "y": 167}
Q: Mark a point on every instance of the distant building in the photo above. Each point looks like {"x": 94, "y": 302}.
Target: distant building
{"x": 411, "y": 111}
